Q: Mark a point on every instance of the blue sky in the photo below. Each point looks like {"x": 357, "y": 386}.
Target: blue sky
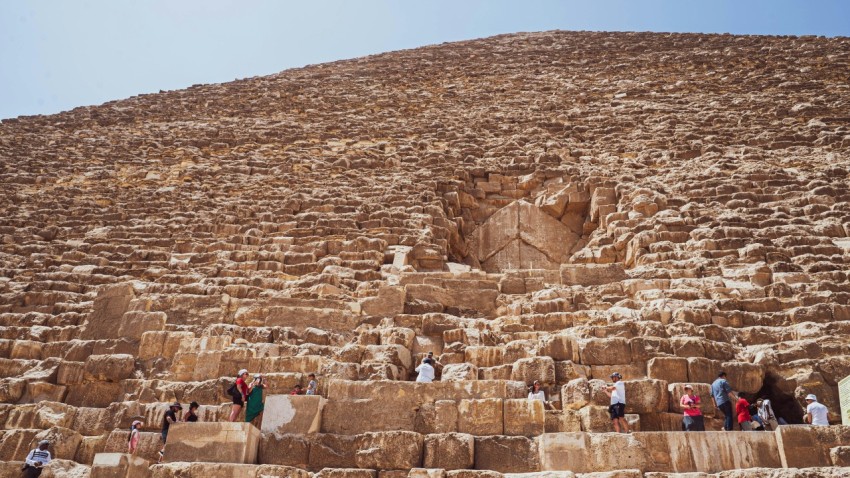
{"x": 59, "y": 54}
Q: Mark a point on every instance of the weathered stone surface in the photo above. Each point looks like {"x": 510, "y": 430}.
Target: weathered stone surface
{"x": 299, "y": 414}
{"x": 222, "y": 442}
{"x": 119, "y": 465}
{"x": 506, "y": 454}
{"x": 449, "y": 451}
{"x": 399, "y": 450}
{"x": 481, "y": 417}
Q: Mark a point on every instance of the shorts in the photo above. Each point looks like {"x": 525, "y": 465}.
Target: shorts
{"x": 693, "y": 423}
{"x": 617, "y": 410}
{"x": 238, "y": 401}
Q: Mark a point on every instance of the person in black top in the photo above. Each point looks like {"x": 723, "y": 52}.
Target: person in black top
{"x": 192, "y": 415}
{"x": 169, "y": 418}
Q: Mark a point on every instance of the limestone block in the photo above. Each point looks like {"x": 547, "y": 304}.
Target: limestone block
{"x": 134, "y": 324}
{"x": 61, "y": 468}
{"x": 427, "y": 473}
{"x": 484, "y": 356}
{"x": 346, "y": 473}
{"x": 89, "y": 447}
{"x": 592, "y": 274}
{"x": 567, "y": 370}
{"x": 389, "y": 302}
{"x": 63, "y": 441}
{"x": 560, "y": 347}
{"x": 528, "y": 370}
{"x": 646, "y": 396}
{"x": 460, "y": 372}
{"x": 446, "y": 416}
{"x": 119, "y": 465}
{"x": 225, "y": 470}
{"x": 396, "y": 450}
{"x": 109, "y": 368}
{"x": 36, "y": 392}
{"x": 802, "y": 446}
{"x": 212, "y": 442}
{"x": 111, "y": 303}
{"x": 351, "y": 417}
{"x": 290, "y": 450}
{"x": 610, "y": 351}
{"x": 299, "y": 414}
{"x": 473, "y": 474}
{"x": 581, "y": 392}
{"x": 70, "y": 373}
{"x": 595, "y": 418}
{"x": 562, "y": 421}
{"x": 54, "y": 414}
{"x": 702, "y": 370}
{"x": 506, "y": 454}
{"x": 396, "y": 355}
{"x": 744, "y": 377}
{"x": 669, "y": 369}
{"x": 333, "y": 451}
{"x": 481, "y": 417}
{"x": 449, "y": 451}
{"x": 524, "y": 417}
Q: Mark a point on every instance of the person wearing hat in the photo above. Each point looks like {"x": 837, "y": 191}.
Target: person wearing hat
{"x": 36, "y": 460}
{"x": 135, "y": 436}
{"x": 169, "y": 418}
{"x": 816, "y": 412}
{"x": 693, "y": 420}
{"x": 721, "y": 393}
{"x": 617, "y": 409}
{"x": 239, "y": 392}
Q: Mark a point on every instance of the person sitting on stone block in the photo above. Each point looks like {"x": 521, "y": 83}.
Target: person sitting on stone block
{"x": 426, "y": 371}
{"x": 617, "y": 409}
{"x": 693, "y": 420}
{"x": 135, "y": 436}
{"x": 297, "y": 390}
{"x": 765, "y": 412}
{"x": 36, "y": 460}
{"x": 535, "y": 393}
{"x": 312, "y": 385}
{"x": 742, "y": 409}
{"x": 816, "y": 412}
{"x": 721, "y": 394}
{"x": 191, "y": 415}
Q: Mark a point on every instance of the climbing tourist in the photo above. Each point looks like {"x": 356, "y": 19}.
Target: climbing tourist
{"x": 693, "y": 420}
{"x": 534, "y": 392}
{"x": 239, "y": 392}
{"x": 617, "y": 409}
{"x": 191, "y": 415}
{"x": 742, "y": 409}
{"x": 721, "y": 394}
{"x": 254, "y": 408}
{"x": 36, "y": 460}
{"x": 169, "y": 418}
{"x": 426, "y": 371}
{"x": 312, "y": 385}
{"x": 816, "y": 412}
{"x": 297, "y": 390}
{"x": 135, "y": 435}
{"x": 765, "y": 412}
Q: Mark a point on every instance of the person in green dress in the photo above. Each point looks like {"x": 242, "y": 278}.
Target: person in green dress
{"x": 254, "y": 409}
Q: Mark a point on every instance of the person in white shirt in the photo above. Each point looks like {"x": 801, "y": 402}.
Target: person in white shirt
{"x": 426, "y": 371}
{"x": 534, "y": 392}
{"x": 37, "y": 459}
{"x": 617, "y": 409}
{"x": 816, "y": 412}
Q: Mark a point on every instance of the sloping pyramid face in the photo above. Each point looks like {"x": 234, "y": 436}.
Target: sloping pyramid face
{"x": 522, "y": 236}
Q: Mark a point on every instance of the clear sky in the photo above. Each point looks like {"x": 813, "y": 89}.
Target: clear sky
{"x": 59, "y": 54}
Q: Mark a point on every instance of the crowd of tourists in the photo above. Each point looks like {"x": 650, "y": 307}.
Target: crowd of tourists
{"x": 248, "y": 394}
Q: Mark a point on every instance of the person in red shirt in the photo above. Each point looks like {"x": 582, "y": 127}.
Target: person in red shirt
{"x": 742, "y": 408}
{"x": 240, "y": 395}
{"x": 297, "y": 390}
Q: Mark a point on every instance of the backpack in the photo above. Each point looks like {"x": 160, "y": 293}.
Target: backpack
{"x": 234, "y": 392}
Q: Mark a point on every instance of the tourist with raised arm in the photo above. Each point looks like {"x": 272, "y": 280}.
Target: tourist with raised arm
{"x": 721, "y": 394}
{"x": 617, "y": 409}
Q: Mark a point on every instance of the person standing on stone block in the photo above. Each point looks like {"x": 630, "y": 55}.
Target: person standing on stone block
{"x": 239, "y": 393}
{"x": 135, "y": 435}
{"x": 617, "y": 409}
{"x": 36, "y": 460}
{"x": 169, "y": 418}
{"x": 721, "y": 393}
{"x": 742, "y": 409}
{"x": 312, "y": 385}
{"x": 255, "y": 406}
{"x": 765, "y": 412}
{"x": 191, "y": 415}
{"x": 693, "y": 420}
{"x": 816, "y": 412}
{"x": 426, "y": 371}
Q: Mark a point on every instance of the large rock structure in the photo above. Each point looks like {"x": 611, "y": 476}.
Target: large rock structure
{"x": 551, "y": 206}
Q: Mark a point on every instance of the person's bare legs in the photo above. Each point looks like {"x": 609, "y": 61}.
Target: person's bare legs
{"x": 624, "y": 423}
{"x": 616, "y": 422}
{"x": 234, "y": 412}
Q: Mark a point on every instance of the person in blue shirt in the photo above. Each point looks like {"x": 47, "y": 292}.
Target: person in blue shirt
{"x": 721, "y": 393}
